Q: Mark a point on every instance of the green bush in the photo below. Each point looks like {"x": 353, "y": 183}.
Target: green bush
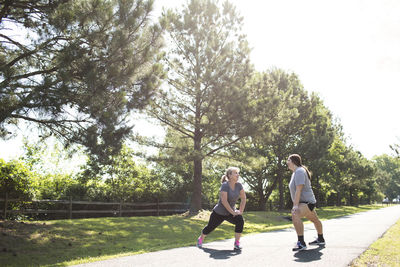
{"x": 16, "y": 180}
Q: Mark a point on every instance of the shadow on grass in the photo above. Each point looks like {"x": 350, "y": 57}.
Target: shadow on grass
{"x": 57, "y": 242}
{"x": 221, "y": 254}
{"x": 309, "y": 255}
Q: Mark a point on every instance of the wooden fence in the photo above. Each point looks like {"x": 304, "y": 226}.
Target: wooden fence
{"x": 85, "y": 209}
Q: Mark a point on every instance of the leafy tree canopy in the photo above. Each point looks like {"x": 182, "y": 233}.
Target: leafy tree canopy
{"x": 77, "y": 68}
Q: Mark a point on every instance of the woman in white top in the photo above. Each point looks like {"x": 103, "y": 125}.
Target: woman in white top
{"x": 303, "y": 202}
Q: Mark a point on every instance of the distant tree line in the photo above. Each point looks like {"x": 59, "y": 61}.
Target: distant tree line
{"x": 83, "y": 69}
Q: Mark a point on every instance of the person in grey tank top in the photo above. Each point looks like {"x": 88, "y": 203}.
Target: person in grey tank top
{"x": 303, "y": 202}
{"x": 231, "y": 190}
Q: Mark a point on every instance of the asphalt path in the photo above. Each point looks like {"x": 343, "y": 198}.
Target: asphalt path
{"x": 346, "y": 238}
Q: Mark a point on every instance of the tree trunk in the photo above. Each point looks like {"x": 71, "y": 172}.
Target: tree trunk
{"x": 197, "y": 177}
{"x": 281, "y": 197}
{"x": 271, "y": 189}
{"x": 338, "y": 199}
{"x": 197, "y": 187}
{"x": 262, "y": 201}
{"x": 351, "y": 202}
{"x": 317, "y": 187}
{"x": 281, "y": 190}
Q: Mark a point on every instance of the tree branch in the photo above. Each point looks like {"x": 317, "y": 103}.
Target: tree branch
{"x": 3, "y": 83}
{"x": 45, "y": 121}
{"x": 223, "y": 146}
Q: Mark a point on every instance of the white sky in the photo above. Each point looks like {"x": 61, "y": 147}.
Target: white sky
{"x": 347, "y": 51}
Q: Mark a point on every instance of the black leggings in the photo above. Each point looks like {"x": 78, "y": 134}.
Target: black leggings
{"x": 216, "y": 219}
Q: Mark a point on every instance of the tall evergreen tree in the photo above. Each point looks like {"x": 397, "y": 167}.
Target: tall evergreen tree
{"x": 208, "y": 65}
{"x": 78, "y": 68}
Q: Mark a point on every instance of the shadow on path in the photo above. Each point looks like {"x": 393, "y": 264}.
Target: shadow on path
{"x": 309, "y": 255}
{"x": 221, "y": 254}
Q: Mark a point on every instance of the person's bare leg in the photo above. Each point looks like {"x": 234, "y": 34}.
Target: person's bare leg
{"x": 298, "y": 224}
{"x": 312, "y": 216}
{"x": 296, "y": 218}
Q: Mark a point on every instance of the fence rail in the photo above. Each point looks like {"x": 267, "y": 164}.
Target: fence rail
{"x": 71, "y": 207}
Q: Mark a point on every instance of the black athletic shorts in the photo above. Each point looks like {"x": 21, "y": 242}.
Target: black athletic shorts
{"x": 310, "y": 205}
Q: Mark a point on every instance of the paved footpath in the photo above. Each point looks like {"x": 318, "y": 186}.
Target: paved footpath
{"x": 346, "y": 238}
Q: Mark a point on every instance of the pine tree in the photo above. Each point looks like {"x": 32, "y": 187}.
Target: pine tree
{"x": 78, "y": 69}
{"x": 205, "y": 100}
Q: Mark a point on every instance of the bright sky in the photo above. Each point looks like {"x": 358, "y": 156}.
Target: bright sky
{"x": 346, "y": 51}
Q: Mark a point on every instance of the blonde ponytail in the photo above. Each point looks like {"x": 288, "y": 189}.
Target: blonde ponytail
{"x": 228, "y": 172}
{"x": 224, "y": 178}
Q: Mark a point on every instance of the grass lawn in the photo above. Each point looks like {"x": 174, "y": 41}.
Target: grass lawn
{"x": 383, "y": 252}
{"x": 67, "y": 242}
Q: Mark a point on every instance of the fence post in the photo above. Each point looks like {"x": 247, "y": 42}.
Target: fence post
{"x": 158, "y": 208}
{"x": 70, "y": 207}
{"x": 120, "y": 208}
{"x": 5, "y": 206}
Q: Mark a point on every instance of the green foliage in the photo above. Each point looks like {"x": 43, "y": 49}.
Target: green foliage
{"x": 121, "y": 179}
{"x": 350, "y": 177}
{"x": 79, "y": 69}
{"x": 174, "y": 167}
{"x": 15, "y": 180}
{"x": 388, "y": 175}
{"x": 47, "y": 156}
{"x": 288, "y": 121}
{"x": 55, "y": 186}
{"x": 52, "y": 179}
{"x": 208, "y": 67}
